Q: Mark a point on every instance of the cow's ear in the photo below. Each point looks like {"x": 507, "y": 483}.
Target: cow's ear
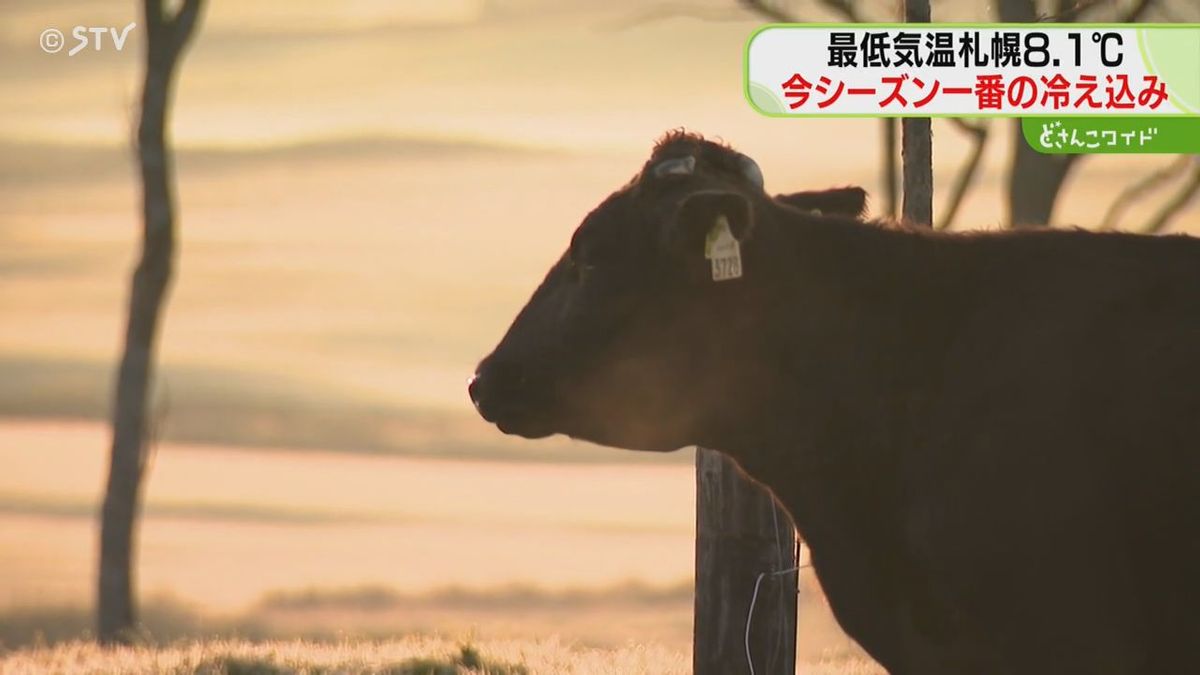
{"x": 845, "y": 201}
{"x": 700, "y": 215}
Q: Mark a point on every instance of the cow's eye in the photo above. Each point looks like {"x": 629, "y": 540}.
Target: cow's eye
{"x": 580, "y": 269}
{"x": 579, "y": 266}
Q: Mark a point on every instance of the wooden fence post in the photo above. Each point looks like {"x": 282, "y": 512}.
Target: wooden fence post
{"x": 740, "y": 533}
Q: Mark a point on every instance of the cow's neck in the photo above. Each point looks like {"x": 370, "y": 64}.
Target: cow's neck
{"x": 852, "y": 350}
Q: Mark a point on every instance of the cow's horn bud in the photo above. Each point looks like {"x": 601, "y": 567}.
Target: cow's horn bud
{"x": 750, "y": 171}
{"x": 678, "y": 166}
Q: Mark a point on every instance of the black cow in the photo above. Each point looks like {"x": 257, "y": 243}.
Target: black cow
{"x": 990, "y": 441}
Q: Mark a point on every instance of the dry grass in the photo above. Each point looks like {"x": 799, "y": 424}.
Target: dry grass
{"x": 409, "y": 656}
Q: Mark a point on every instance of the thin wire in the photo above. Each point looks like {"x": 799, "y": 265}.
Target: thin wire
{"x": 758, "y": 583}
{"x": 750, "y": 613}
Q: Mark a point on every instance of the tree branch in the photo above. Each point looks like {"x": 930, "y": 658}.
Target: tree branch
{"x": 978, "y": 132}
{"x": 1065, "y": 13}
{"x": 843, "y": 7}
{"x": 1178, "y": 201}
{"x": 769, "y": 11}
{"x": 166, "y": 36}
{"x": 1135, "y": 13}
{"x": 183, "y": 23}
{"x": 1140, "y": 189}
{"x": 772, "y": 12}
{"x": 1016, "y": 11}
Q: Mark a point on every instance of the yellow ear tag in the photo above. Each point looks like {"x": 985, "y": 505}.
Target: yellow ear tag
{"x": 722, "y": 248}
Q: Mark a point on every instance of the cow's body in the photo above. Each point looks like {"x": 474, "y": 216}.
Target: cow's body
{"x": 995, "y": 451}
{"x": 990, "y": 442}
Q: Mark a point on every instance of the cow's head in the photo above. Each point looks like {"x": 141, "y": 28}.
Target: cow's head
{"x": 643, "y": 334}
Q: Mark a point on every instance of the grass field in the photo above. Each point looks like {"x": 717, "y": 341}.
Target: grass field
{"x": 414, "y": 656}
{"x": 411, "y": 656}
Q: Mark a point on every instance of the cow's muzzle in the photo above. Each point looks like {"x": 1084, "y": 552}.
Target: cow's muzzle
{"x": 509, "y": 398}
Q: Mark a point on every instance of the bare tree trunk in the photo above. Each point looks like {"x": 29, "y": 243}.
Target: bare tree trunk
{"x": 165, "y": 38}
{"x": 1034, "y": 179}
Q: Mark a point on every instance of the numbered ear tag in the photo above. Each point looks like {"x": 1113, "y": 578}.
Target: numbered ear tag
{"x": 721, "y": 247}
